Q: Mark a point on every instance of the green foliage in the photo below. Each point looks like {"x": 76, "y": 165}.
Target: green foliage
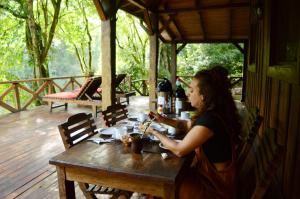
{"x": 195, "y": 57}
{"x": 132, "y": 47}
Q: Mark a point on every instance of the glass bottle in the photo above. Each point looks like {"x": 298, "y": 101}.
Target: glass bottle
{"x": 180, "y": 97}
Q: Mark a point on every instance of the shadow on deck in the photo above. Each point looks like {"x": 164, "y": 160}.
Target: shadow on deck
{"x": 28, "y": 140}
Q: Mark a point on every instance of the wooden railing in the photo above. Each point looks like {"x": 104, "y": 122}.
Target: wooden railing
{"x": 33, "y": 90}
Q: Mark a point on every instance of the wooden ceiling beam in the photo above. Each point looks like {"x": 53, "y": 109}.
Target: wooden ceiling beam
{"x": 208, "y": 41}
{"x": 165, "y": 24}
{"x": 237, "y": 45}
{"x": 138, "y": 3}
{"x": 148, "y": 22}
{"x": 100, "y": 10}
{"x": 202, "y": 27}
{"x": 176, "y": 26}
{"x": 202, "y": 8}
{"x": 230, "y": 22}
{"x": 180, "y": 48}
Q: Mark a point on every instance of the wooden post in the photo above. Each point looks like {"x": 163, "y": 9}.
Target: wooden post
{"x": 17, "y": 96}
{"x": 153, "y": 62}
{"x": 108, "y": 46}
{"x": 173, "y": 65}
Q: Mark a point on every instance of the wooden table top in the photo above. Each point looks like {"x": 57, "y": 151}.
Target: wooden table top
{"x": 115, "y": 158}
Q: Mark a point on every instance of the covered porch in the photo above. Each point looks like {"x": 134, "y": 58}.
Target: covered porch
{"x": 28, "y": 140}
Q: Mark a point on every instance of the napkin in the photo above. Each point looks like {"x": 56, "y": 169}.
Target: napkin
{"x": 100, "y": 140}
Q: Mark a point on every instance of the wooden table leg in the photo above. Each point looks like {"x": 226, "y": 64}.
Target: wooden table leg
{"x": 66, "y": 187}
{"x": 169, "y": 192}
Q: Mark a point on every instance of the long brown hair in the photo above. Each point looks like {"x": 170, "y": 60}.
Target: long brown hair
{"x": 215, "y": 87}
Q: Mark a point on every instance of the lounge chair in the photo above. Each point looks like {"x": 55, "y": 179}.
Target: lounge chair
{"x": 120, "y": 93}
{"x": 83, "y": 96}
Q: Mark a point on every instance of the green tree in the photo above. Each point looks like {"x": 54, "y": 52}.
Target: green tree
{"x": 40, "y": 19}
{"x": 132, "y": 47}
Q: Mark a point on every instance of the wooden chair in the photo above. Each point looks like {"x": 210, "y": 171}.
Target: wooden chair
{"x": 250, "y": 126}
{"x": 264, "y": 160}
{"x": 78, "y": 128}
{"x": 114, "y": 114}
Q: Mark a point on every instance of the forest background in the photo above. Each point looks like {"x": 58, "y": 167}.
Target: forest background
{"x": 53, "y": 38}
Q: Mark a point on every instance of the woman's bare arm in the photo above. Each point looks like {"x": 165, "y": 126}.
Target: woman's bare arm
{"x": 181, "y": 125}
{"x": 194, "y": 138}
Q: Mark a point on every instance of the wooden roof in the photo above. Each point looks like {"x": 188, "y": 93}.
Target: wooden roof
{"x": 195, "y": 21}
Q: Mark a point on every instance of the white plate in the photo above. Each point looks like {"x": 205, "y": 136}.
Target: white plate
{"x": 161, "y": 146}
{"x": 108, "y": 131}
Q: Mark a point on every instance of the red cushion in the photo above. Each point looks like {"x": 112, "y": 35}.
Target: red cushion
{"x": 63, "y": 95}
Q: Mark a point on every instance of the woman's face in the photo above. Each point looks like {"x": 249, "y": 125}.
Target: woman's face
{"x": 194, "y": 95}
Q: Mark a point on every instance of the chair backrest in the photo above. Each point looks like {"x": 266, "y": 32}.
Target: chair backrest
{"x": 250, "y": 126}
{"x": 78, "y": 127}
{"x": 114, "y": 114}
{"x": 119, "y": 79}
{"x": 264, "y": 159}
{"x": 89, "y": 88}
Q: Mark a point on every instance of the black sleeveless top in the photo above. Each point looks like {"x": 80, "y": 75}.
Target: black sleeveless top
{"x": 218, "y": 147}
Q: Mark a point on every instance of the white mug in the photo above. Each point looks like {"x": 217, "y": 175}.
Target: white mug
{"x": 185, "y": 115}
{"x": 142, "y": 117}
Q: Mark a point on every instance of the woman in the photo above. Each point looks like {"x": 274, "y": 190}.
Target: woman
{"x": 211, "y": 134}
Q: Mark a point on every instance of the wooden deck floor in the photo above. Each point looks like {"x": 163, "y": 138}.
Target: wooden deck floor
{"x": 28, "y": 140}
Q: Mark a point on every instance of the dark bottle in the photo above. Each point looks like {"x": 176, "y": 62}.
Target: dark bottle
{"x": 180, "y": 97}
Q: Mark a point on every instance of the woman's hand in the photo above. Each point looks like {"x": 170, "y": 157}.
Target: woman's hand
{"x": 158, "y": 117}
{"x": 146, "y": 129}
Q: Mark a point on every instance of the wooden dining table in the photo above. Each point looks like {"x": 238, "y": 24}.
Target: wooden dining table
{"x": 114, "y": 165}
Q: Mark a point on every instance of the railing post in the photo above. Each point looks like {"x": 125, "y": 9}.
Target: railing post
{"x": 17, "y": 96}
{"x": 72, "y": 83}
{"x": 129, "y": 82}
{"x": 144, "y": 87}
{"x": 50, "y": 86}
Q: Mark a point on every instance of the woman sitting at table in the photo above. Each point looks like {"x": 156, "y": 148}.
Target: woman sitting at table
{"x": 211, "y": 133}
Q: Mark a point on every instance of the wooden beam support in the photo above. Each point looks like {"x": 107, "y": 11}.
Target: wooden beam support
{"x": 180, "y": 48}
{"x": 173, "y": 70}
{"x": 148, "y": 22}
{"x": 245, "y": 66}
{"x": 230, "y": 23}
{"x": 237, "y": 45}
{"x": 154, "y": 46}
{"x": 176, "y": 26}
{"x": 100, "y": 10}
{"x": 202, "y": 27}
{"x": 138, "y": 3}
{"x": 165, "y": 24}
{"x": 108, "y": 46}
{"x": 202, "y": 8}
{"x": 166, "y": 27}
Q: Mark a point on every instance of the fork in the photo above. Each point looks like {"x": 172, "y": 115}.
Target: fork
{"x": 148, "y": 125}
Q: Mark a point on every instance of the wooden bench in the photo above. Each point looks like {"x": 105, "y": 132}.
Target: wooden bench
{"x": 260, "y": 166}
{"x": 251, "y": 121}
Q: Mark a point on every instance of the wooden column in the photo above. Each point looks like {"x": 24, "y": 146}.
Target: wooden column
{"x": 173, "y": 65}
{"x": 108, "y": 46}
{"x": 153, "y": 62}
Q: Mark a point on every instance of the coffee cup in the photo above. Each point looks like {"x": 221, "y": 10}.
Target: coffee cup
{"x": 136, "y": 143}
{"x": 185, "y": 115}
{"x": 142, "y": 117}
{"x": 171, "y": 130}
